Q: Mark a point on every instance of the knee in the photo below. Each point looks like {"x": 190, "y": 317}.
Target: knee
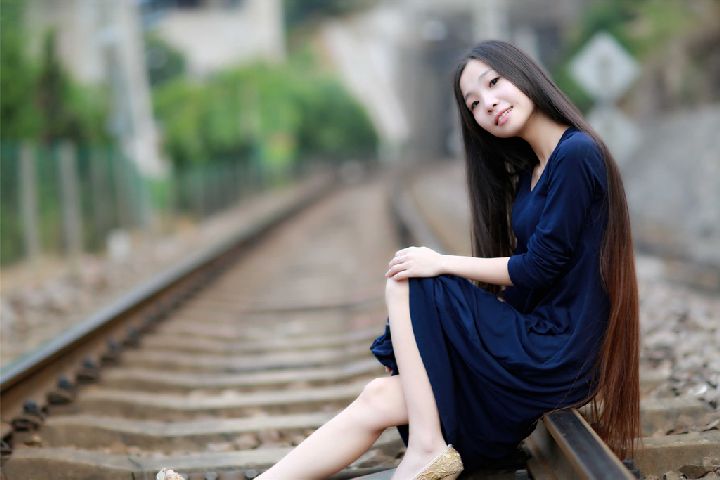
{"x": 377, "y": 401}
{"x": 396, "y": 290}
{"x": 372, "y": 394}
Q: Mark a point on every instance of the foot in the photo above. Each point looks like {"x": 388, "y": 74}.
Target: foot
{"x": 416, "y": 464}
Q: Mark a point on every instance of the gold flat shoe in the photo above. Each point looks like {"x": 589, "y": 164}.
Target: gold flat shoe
{"x": 446, "y": 466}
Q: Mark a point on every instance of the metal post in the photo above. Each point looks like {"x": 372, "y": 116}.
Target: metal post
{"x": 117, "y": 162}
{"x": 72, "y": 224}
{"x": 28, "y": 202}
{"x": 99, "y": 193}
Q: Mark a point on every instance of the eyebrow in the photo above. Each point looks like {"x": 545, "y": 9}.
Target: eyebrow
{"x": 479, "y": 77}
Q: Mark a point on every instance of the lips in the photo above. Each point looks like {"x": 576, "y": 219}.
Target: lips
{"x": 497, "y": 117}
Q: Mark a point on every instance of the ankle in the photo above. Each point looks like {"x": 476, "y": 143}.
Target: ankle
{"x": 429, "y": 447}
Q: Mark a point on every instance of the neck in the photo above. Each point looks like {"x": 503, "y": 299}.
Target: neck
{"x": 543, "y": 136}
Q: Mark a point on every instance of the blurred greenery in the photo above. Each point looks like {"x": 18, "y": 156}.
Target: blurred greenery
{"x": 17, "y": 120}
{"x": 41, "y": 104}
{"x": 227, "y": 135}
{"x": 257, "y": 124}
{"x": 69, "y": 111}
{"x": 109, "y": 193}
{"x": 643, "y": 27}
{"x": 299, "y": 12}
{"x": 273, "y": 114}
{"x": 162, "y": 61}
{"x": 11, "y": 241}
{"x": 39, "y": 100}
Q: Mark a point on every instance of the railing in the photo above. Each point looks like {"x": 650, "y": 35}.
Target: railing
{"x": 64, "y": 200}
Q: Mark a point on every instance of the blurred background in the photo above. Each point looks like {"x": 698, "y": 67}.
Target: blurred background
{"x": 131, "y": 129}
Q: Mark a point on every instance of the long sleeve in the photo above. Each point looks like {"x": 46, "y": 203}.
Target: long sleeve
{"x": 572, "y": 184}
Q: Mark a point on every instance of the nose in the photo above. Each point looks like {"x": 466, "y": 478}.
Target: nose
{"x": 490, "y": 105}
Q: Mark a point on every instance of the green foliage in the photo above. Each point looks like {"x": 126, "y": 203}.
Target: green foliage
{"x": 273, "y": 115}
{"x": 69, "y": 111}
{"x": 40, "y": 105}
{"x": 179, "y": 107}
{"x": 11, "y": 245}
{"x": 301, "y": 11}
{"x": 609, "y": 16}
{"x": 656, "y": 22}
{"x": 52, "y": 90}
{"x": 162, "y": 61}
{"x": 334, "y": 124}
{"x": 40, "y": 101}
{"x": 17, "y": 78}
{"x": 641, "y": 26}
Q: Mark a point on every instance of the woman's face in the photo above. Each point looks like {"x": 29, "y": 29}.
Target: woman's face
{"x": 497, "y": 105}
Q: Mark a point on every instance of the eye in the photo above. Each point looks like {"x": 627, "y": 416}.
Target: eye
{"x": 473, "y": 105}
{"x": 494, "y": 81}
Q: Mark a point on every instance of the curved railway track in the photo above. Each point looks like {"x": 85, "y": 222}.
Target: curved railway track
{"x": 208, "y": 369}
{"x": 219, "y": 367}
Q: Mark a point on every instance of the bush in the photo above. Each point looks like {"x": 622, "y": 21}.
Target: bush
{"x": 162, "y": 62}
{"x": 276, "y": 115}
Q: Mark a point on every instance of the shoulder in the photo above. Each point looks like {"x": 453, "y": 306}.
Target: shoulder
{"x": 580, "y": 144}
{"x": 580, "y": 155}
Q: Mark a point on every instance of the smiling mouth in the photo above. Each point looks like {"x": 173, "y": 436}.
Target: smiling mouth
{"x": 502, "y": 115}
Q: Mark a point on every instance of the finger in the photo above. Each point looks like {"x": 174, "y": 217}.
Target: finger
{"x": 394, "y": 270}
{"x": 401, "y": 275}
{"x": 396, "y": 260}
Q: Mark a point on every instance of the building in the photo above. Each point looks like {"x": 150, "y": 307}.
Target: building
{"x": 398, "y": 59}
{"x": 215, "y": 34}
{"x": 101, "y": 42}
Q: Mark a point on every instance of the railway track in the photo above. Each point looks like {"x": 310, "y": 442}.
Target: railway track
{"x": 218, "y": 368}
{"x": 209, "y": 370}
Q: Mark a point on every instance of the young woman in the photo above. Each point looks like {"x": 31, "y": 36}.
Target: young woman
{"x": 543, "y": 315}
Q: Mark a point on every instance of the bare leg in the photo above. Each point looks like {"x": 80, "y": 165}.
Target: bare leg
{"x": 346, "y": 436}
{"x": 425, "y": 440}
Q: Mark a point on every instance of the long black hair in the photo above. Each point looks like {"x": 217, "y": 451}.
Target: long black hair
{"x": 493, "y": 165}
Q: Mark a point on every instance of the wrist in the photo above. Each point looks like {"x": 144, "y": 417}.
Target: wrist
{"x": 444, "y": 268}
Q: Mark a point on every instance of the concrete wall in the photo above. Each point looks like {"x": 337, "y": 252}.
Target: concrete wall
{"x": 214, "y": 37}
{"x": 398, "y": 59}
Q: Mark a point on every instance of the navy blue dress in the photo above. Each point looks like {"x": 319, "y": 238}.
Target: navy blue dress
{"x": 495, "y": 365}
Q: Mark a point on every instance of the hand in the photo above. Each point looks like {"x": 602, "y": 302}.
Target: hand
{"x": 414, "y": 262}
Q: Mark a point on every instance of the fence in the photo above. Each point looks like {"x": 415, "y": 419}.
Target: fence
{"x": 67, "y": 199}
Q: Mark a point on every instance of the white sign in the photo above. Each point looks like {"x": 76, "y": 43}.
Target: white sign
{"x": 604, "y": 68}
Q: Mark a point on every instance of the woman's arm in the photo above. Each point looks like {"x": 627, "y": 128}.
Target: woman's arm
{"x": 426, "y": 262}
{"x": 486, "y": 270}
{"x": 576, "y": 180}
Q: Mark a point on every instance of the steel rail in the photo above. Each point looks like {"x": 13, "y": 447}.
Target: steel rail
{"x": 564, "y": 446}
{"x": 49, "y": 375}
